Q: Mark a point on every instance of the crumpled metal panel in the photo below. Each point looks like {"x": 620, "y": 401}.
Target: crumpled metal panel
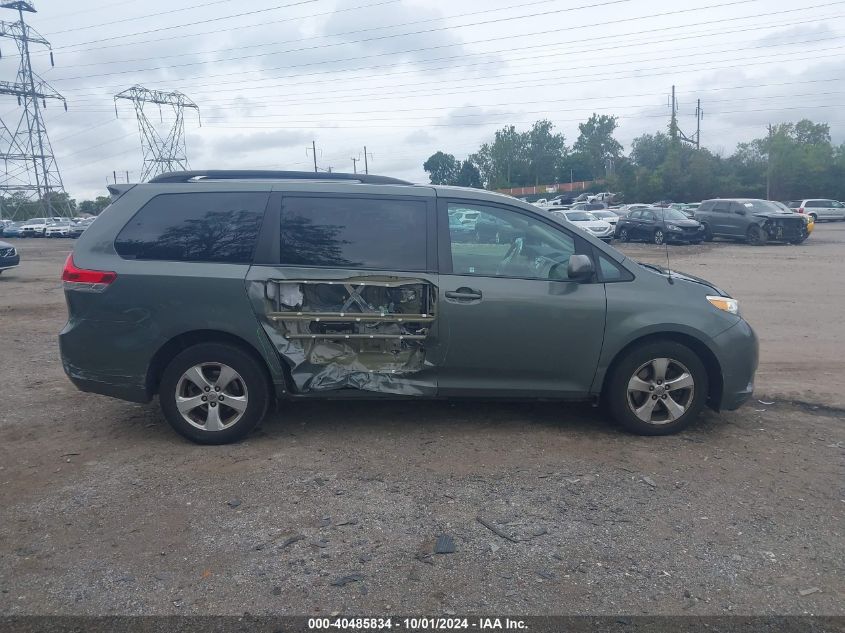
{"x": 367, "y": 333}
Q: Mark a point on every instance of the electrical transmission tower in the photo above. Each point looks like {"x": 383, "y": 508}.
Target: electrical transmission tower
{"x": 163, "y": 150}
{"x": 30, "y": 172}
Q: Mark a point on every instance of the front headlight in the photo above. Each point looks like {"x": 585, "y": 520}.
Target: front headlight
{"x": 672, "y": 227}
{"x": 725, "y": 303}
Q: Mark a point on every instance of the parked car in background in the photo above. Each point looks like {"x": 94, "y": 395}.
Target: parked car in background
{"x": 589, "y": 223}
{"x": 752, "y": 220}
{"x": 822, "y": 209}
{"x": 78, "y": 228}
{"x": 12, "y": 230}
{"x": 35, "y": 227}
{"x": 607, "y": 215}
{"x": 588, "y": 206}
{"x": 59, "y": 229}
{"x": 625, "y": 209}
{"x": 9, "y": 257}
{"x": 659, "y": 226}
{"x": 662, "y": 203}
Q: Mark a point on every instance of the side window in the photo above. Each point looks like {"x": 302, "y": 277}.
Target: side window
{"x": 705, "y": 207}
{"x": 635, "y": 215}
{"x": 649, "y": 216}
{"x": 374, "y": 233}
{"x": 504, "y": 243}
{"x": 195, "y": 227}
{"x": 611, "y": 272}
{"x": 721, "y": 207}
{"x": 812, "y": 204}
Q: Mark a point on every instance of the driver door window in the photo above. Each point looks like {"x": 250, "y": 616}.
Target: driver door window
{"x": 503, "y": 243}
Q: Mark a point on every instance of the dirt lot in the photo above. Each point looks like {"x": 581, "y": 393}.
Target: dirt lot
{"x": 334, "y": 507}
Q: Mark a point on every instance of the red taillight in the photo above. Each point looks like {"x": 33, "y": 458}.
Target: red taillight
{"x": 93, "y": 279}
{"x": 801, "y": 210}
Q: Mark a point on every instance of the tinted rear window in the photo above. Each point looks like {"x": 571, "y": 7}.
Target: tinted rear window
{"x": 378, "y": 233}
{"x": 195, "y": 227}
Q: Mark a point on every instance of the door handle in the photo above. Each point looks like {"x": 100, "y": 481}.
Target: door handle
{"x": 464, "y": 294}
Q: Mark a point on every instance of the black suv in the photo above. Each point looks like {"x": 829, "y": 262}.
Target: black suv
{"x": 755, "y": 221}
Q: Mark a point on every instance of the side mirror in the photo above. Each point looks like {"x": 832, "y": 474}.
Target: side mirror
{"x": 580, "y": 268}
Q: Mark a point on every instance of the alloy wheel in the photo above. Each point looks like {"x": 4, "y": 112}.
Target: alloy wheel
{"x": 658, "y": 237}
{"x": 660, "y": 391}
{"x": 211, "y": 396}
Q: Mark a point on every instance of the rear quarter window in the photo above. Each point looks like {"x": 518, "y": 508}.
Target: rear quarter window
{"x": 195, "y": 227}
{"x": 367, "y": 233}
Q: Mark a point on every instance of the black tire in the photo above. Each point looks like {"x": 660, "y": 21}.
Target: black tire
{"x": 659, "y": 237}
{"x": 708, "y": 234}
{"x": 756, "y": 235}
{"x": 617, "y": 398}
{"x": 250, "y": 374}
{"x": 623, "y": 235}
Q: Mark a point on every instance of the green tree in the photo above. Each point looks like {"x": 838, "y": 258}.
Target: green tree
{"x": 442, "y": 168}
{"x": 597, "y": 144}
{"x": 545, "y": 152}
{"x": 469, "y": 175}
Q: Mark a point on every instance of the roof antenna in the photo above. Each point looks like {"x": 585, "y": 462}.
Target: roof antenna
{"x": 666, "y": 246}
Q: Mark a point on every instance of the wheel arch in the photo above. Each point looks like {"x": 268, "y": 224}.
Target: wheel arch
{"x": 711, "y": 364}
{"x": 181, "y": 342}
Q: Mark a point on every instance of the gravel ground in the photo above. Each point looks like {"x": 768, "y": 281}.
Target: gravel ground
{"x": 336, "y": 507}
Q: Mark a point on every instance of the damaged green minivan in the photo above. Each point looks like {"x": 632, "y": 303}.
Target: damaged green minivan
{"x": 225, "y": 293}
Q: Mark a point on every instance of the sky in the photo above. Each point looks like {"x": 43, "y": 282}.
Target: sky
{"x": 406, "y": 78}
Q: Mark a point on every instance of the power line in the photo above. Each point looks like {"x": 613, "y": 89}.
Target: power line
{"x": 374, "y": 28}
{"x": 531, "y": 58}
{"x": 157, "y": 14}
{"x": 426, "y": 31}
{"x": 698, "y": 54}
{"x": 401, "y": 24}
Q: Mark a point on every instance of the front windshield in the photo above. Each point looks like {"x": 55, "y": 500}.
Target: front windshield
{"x": 580, "y": 216}
{"x": 782, "y": 208}
{"x": 760, "y": 206}
{"x": 673, "y": 214}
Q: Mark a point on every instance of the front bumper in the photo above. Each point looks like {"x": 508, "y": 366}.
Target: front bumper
{"x": 737, "y": 351}
{"x": 9, "y": 262}
{"x": 685, "y": 236}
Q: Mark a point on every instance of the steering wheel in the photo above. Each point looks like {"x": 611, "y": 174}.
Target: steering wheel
{"x": 514, "y": 251}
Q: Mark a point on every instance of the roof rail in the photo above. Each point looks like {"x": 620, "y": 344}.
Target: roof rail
{"x": 249, "y": 174}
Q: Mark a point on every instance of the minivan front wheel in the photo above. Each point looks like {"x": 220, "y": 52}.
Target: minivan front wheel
{"x": 657, "y": 389}
{"x": 213, "y": 393}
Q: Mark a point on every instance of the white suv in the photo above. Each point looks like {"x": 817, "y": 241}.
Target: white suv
{"x": 35, "y": 227}
{"x": 822, "y": 209}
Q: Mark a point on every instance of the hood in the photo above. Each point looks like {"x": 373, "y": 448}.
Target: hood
{"x": 5, "y": 244}
{"x": 596, "y": 224}
{"x": 775, "y": 215}
{"x": 687, "y": 223}
{"x": 684, "y": 277}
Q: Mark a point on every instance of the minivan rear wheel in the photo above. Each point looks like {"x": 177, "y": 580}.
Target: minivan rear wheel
{"x": 213, "y": 393}
{"x": 658, "y": 388}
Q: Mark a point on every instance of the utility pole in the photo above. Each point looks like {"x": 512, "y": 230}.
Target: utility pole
{"x": 314, "y": 153}
{"x": 162, "y": 153}
{"x": 699, "y": 114}
{"x": 673, "y": 121}
{"x": 30, "y": 168}
{"x": 366, "y": 164}
{"x": 769, "y": 165}
{"x": 355, "y": 165}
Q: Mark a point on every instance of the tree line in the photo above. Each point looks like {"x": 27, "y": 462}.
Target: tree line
{"x": 790, "y": 161}
{"x": 17, "y": 206}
